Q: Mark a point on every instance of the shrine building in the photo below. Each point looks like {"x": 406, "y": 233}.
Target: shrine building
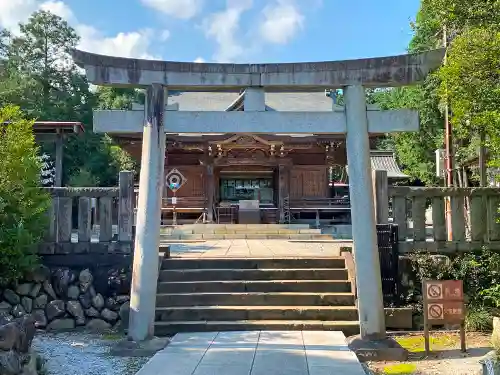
{"x": 294, "y": 177}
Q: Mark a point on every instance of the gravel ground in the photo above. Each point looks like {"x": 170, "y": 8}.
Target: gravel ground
{"x": 82, "y": 354}
{"x": 446, "y": 360}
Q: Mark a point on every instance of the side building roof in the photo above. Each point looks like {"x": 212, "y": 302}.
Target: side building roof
{"x": 385, "y": 160}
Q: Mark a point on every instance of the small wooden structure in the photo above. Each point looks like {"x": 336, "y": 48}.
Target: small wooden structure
{"x": 55, "y": 132}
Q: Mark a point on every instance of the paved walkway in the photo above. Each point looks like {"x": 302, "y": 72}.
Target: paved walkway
{"x": 255, "y": 353}
{"x": 256, "y": 249}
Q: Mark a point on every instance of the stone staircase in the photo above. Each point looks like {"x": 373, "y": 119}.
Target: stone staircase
{"x": 243, "y": 231}
{"x": 255, "y": 294}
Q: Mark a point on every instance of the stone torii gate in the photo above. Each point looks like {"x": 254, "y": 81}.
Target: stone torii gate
{"x": 355, "y": 121}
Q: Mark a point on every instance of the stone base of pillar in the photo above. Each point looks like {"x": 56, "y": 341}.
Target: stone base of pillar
{"x": 147, "y": 348}
{"x": 376, "y": 349}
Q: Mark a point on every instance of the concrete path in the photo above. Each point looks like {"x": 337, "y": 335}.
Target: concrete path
{"x": 255, "y": 353}
{"x": 256, "y": 249}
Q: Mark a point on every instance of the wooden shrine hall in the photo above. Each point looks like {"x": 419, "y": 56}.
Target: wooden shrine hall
{"x": 286, "y": 177}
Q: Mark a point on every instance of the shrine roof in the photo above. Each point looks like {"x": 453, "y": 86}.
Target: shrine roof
{"x": 58, "y": 127}
{"x": 385, "y": 160}
{"x": 54, "y": 127}
{"x": 277, "y": 101}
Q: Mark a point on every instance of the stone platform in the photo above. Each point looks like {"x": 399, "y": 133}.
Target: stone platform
{"x": 190, "y": 232}
{"x": 241, "y": 248}
{"x": 255, "y": 353}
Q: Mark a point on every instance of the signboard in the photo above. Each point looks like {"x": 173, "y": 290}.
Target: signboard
{"x": 443, "y": 304}
{"x": 175, "y": 180}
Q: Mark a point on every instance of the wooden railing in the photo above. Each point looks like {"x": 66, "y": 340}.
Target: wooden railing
{"x": 474, "y": 218}
{"x": 76, "y": 225}
{"x": 320, "y": 203}
{"x": 185, "y": 203}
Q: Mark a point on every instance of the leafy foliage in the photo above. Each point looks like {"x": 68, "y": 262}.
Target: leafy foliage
{"x": 22, "y": 203}
{"x": 480, "y": 272}
{"x": 459, "y": 14}
{"x": 471, "y": 81}
{"x": 118, "y": 98}
{"x": 39, "y": 76}
{"x": 415, "y": 151}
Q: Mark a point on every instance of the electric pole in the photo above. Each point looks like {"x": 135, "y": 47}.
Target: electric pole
{"x": 448, "y": 146}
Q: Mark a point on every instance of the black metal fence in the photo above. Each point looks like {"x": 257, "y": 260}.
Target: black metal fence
{"x": 387, "y": 238}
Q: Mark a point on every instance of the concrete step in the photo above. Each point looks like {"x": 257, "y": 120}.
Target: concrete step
{"x": 253, "y": 274}
{"x": 250, "y": 231}
{"x": 184, "y": 232}
{"x": 255, "y": 299}
{"x": 253, "y": 263}
{"x": 245, "y": 236}
{"x": 349, "y": 328}
{"x": 235, "y": 313}
{"x": 239, "y": 226}
{"x": 318, "y": 286}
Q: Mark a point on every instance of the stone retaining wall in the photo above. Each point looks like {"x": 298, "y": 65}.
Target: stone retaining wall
{"x": 70, "y": 292}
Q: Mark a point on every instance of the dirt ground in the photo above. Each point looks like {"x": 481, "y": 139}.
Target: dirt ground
{"x": 445, "y": 357}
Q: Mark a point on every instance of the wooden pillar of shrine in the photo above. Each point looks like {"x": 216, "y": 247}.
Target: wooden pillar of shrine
{"x": 283, "y": 189}
{"x": 210, "y": 191}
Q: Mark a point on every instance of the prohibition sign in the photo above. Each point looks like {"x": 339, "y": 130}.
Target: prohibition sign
{"x": 435, "y": 311}
{"x": 434, "y": 291}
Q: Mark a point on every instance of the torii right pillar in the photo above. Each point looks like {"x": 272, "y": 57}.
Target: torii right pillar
{"x": 364, "y": 230}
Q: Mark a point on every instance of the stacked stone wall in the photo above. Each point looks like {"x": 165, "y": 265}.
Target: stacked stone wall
{"x": 70, "y": 291}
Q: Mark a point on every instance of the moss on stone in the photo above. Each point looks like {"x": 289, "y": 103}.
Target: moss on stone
{"x": 400, "y": 369}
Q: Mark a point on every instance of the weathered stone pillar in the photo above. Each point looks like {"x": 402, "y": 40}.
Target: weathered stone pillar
{"x": 369, "y": 283}
{"x": 147, "y": 239}
{"x": 210, "y": 192}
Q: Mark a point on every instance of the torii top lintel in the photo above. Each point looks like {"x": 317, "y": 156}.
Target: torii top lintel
{"x": 390, "y": 71}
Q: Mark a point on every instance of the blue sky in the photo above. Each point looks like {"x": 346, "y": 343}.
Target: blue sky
{"x": 231, "y": 30}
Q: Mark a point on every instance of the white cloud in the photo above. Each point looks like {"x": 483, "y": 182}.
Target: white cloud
{"x": 60, "y": 9}
{"x": 125, "y": 44}
{"x": 184, "y": 9}
{"x": 224, "y": 27}
{"x": 199, "y": 60}
{"x": 165, "y": 34}
{"x": 281, "y": 22}
{"x": 277, "y": 23}
{"x": 14, "y": 11}
{"x": 133, "y": 44}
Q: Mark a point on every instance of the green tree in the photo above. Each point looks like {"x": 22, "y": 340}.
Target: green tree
{"x": 23, "y": 204}
{"x": 416, "y": 151}
{"x": 470, "y": 79}
{"x": 118, "y": 98}
{"x": 56, "y": 90}
{"x": 471, "y": 83}
{"x": 460, "y": 14}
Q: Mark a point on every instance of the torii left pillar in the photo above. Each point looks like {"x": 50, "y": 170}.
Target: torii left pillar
{"x": 147, "y": 239}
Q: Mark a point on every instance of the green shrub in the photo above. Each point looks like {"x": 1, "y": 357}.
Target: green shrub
{"x": 479, "y": 319}
{"x": 23, "y": 203}
{"x": 479, "y": 270}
